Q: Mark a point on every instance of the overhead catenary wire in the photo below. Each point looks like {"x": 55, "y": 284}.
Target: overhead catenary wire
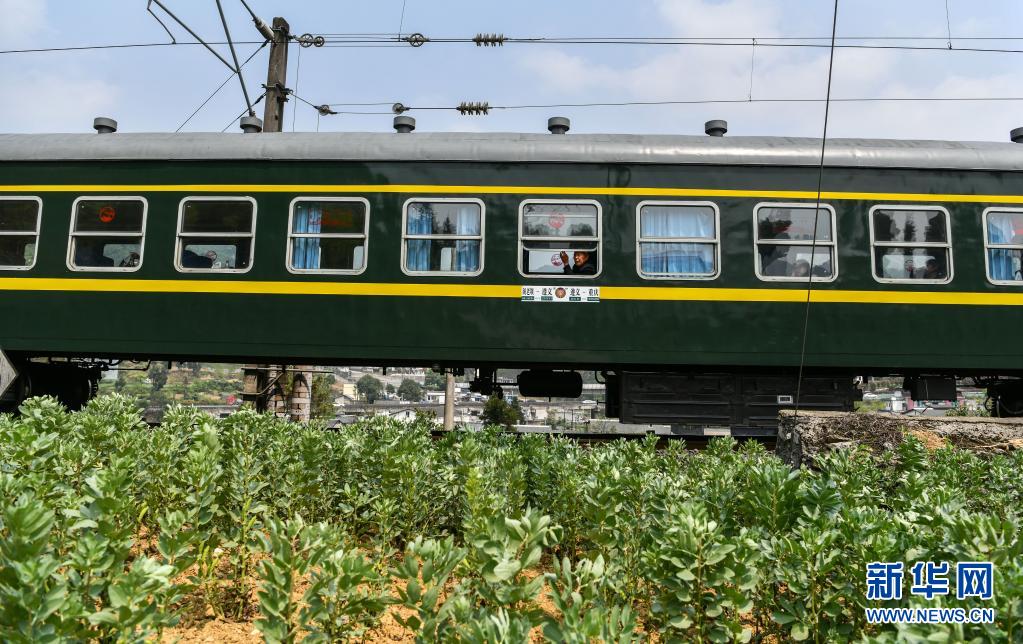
{"x": 234, "y": 57}
{"x": 363, "y": 41}
{"x": 850, "y": 99}
{"x": 217, "y": 91}
{"x": 243, "y": 112}
{"x": 816, "y": 215}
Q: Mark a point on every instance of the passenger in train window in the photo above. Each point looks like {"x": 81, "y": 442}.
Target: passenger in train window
{"x": 932, "y": 271}
{"x": 801, "y": 268}
{"x": 822, "y": 270}
{"x": 581, "y": 263}
{"x": 130, "y": 260}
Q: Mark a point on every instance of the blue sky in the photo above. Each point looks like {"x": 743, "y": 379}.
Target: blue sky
{"x": 156, "y": 89}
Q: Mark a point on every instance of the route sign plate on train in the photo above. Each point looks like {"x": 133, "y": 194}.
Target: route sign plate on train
{"x": 560, "y": 293}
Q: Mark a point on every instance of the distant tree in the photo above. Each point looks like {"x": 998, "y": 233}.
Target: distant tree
{"x": 410, "y": 390}
{"x": 498, "y": 412}
{"x": 435, "y": 381}
{"x": 121, "y": 380}
{"x": 369, "y": 388}
{"x": 157, "y": 373}
{"x": 389, "y": 389}
{"x": 322, "y": 403}
{"x": 196, "y": 367}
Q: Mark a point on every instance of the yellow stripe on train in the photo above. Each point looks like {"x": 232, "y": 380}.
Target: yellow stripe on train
{"x": 517, "y": 190}
{"x": 506, "y": 291}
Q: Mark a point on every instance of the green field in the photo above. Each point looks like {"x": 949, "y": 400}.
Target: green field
{"x": 114, "y": 531}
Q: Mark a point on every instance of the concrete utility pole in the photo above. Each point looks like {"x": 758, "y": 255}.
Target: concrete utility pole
{"x": 276, "y": 76}
{"x": 257, "y": 377}
{"x": 449, "y": 402}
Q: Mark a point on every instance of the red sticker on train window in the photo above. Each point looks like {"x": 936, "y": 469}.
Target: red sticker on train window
{"x": 557, "y": 220}
{"x": 106, "y": 214}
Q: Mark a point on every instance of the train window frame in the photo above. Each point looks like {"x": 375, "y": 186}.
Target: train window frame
{"x": 599, "y": 238}
{"x": 179, "y": 235}
{"x": 405, "y": 236}
{"x": 874, "y": 244}
{"x": 833, "y": 244}
{"x": 988, "y": 245}
{"x": 106, "y": 269}
{"x": 37, "y": 233}
{"x": 716, "y": 241}
{"x": 288, "y": 263}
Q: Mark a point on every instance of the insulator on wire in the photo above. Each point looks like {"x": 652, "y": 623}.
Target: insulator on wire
{"x": 473, "y": 108}
{"x": 325, "y": 110}
{"x": 489, "y": 40}
{"x": 398, "y": 108}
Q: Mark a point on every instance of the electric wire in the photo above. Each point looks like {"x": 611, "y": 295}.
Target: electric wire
{"x": 243, "y": 112}
{"x": 777, "y": 42}
{"x": 234, "y": 57}
{"x": 816, "y": 216}
{"x": 948, "y": 24}
{"x": 851, "y": 99}
{"x": 401, "y": 23}
{"x": 217, "y": 91}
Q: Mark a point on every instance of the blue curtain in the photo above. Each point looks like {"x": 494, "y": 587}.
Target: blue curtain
{"x": 467, "y": 252}
{"x": 679, "y": 258}
{"x": 1002, "y": 260}
{"x": 417, "y": 251}
{"x": 305, "y": 251}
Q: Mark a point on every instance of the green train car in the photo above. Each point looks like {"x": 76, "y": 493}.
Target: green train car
{"x": 684, "y": 269}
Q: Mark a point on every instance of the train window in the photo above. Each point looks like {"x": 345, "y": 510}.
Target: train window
{"x": 19, "y": 232}
{"x": 677, "y": 240}
{"x": 788, "y": 249}
{"x": 328, "y": 235}
{"x": 559, "y": 238}
{"x": 215, "y": 234}
{"x": 107, "y": 233}
{"x": 443, "y": 236}
{"x": 911, "y": 244}
{"x": 1003, "y": 244}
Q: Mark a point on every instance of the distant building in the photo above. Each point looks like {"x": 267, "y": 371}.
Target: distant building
{"x": 434, "y": 397}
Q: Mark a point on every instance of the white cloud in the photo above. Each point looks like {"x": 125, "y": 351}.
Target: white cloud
{"x": 51, "y": 102}
{"x": 723, "y": 73}
{"x": 23, "y": 20}
{"x": 729, "y": 19}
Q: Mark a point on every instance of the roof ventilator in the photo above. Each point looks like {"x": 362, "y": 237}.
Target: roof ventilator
{"x": 1016, "y": 135}
{"x": 103, "y": 125}
{"x": 558, "y": 125}
{"x": 404, "y": 124}
{"x": 251, "y": 124}
{"x": 717, "y": 127}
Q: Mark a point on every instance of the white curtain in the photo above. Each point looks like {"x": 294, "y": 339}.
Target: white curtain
{"x": 677, "y": 257}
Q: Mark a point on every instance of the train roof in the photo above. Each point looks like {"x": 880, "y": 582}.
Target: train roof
{"x": 511, "y": 147}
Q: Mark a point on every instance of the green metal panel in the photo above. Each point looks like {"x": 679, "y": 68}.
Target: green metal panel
{"x": 349, "y": 328}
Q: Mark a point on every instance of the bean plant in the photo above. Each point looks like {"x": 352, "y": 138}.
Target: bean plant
{"x": 115, "y": 531}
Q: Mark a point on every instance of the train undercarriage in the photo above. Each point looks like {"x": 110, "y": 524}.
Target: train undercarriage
{"x": 745, "y": 401}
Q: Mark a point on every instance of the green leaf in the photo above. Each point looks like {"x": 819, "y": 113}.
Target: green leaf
{"x": 800, "y": 631}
